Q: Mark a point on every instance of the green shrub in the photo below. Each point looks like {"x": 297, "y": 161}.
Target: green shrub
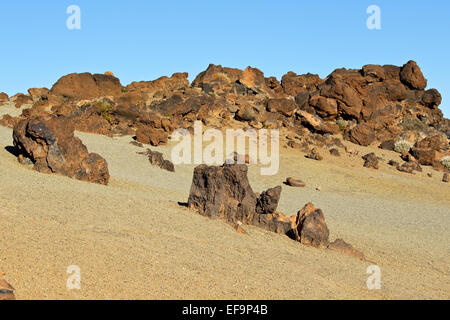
{"x": 402, "y": 146}
{"x": 342, "y": 124}
{"x": 446, "y": 162}
{"x": 104, "y": 109}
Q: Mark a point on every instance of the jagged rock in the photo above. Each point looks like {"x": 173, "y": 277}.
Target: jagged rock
{"x": 362, "y": 134}
{"x": 426, "y": 157}
{"x": 371, "y": 161}
{"x": 445, "y": 177}
{"x": 310, "y": 227}
{"x": 6, "y": 291}
{"x": 38, "y": 93}
{"x": 157, "y": 159}
{"x": 3, "y": 97}
{"x": 393, "y": 163}
{"x": 409, "y": 167}
{"x": 387, "y": 145}
{"x": 341, "y": 246}
{"x": 293, "y": 84}
{"x": 225, "y": 192}
{"x": 295, "y": 183}
{"x": 267, "y": 202}
{"x": 152, "y": 136}
{"x": 283, "y": 106}
{"x": 314, "y": 154}
{"x": 49, "y": 142}
{"x": 22, "y": 99}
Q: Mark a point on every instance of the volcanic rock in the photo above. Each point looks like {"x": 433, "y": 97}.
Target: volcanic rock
{"x": 49, "y": 142}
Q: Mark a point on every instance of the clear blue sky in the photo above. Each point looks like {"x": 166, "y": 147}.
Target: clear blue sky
{"x": 144, "y": 39}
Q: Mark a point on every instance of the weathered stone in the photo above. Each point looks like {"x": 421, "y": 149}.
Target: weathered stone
{"x": 310, "y": 227}
{"x": 295, "y": 183}
{"x": 49, "y": 142}
{"x": 412, "y": 76}
{"x": 371, "y": 161}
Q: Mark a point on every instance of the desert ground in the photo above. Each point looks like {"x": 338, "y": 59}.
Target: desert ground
{"x": 133, "y": 240}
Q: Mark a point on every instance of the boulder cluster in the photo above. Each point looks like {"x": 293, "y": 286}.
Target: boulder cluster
{"x": 224, "y": 192}
{"x": 375, "y": 104}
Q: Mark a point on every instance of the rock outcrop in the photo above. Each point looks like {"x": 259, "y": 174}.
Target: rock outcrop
{"x": 50, "y": 144}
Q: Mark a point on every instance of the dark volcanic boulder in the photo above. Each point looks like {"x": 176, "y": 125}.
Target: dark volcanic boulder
{"x": 150, "y": 135}
{"x": 225, "y": 192}
{"x": 49, "y": 142}
{"x": 310, "y": 227}
{"x": 371, "y": 161}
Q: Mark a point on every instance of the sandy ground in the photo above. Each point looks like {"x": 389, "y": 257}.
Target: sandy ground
{"x": 132, "y": 240}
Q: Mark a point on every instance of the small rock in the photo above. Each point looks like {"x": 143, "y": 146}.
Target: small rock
{"x": 345, "y": 248}
{"x": 335, "y": 152}
{"x": 429, "y": 174}
{"x": 315, "y": 155}
{"x": 295, "y": 183}
{"x": 371, "y": 161}
{"x": 393, "y": 163}
{"x": 6, "y": 291}
{"x": 319, "y": 188}
{"x": 445, "y": 177}
{"x": 137, "y": 144}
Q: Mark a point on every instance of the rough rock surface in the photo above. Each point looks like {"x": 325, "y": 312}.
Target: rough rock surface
{"x": 6, "y": 291}
{"x": 49, "y": 142}
{"x": 371, "y": 161}
{"x": 310, "y": 227}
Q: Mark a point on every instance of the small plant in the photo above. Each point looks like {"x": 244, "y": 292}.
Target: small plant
{"x": 265, "y": 126}
{"x": 446, "y": 162}
{"x": 168, "y": 115}
{"x": 222, "y": 77}
{"x": 212, "y": 95}
{"x": 124, "y": 90}
{"x": 402, "y": 146}
{"x": 104, "y": 109}
{"x": 342, "y": 124}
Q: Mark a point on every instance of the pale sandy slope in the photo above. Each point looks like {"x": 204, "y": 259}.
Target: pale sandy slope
{"x": 132, "y": 240}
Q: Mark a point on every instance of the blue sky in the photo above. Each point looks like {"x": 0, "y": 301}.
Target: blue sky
{"x": 143, "y": 40}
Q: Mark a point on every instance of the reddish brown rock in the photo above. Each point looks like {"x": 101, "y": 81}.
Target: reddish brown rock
{"x": 362, "y": 134}
{"x": 314, "y": 155}
{"x": 152, "y": 136}
{"x": 6, "y": 291}
{"x": 267, "y": 202}
{"x": 3, "y": 97}
{"x": 335, "y": 152}
{"x": 341, "y": 246}
{"x": 22, "y": 99}
{"x": 86, "y": 86}
{"x": 426, "y": 157}
{"x": 293, "y": 84}
{"x": 371, "y": 161}
{"x": 310, "y": 227}
{"x": 49, "y": 142}
{"x": 412, "y": 76}
{"x": 283, "y": 106}
{"x": 445, "y": 177}
{"x": 295, "y": 183}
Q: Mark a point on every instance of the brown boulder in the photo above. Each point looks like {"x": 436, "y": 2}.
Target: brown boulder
{"x": 325, "y": 107}
{"x": 225, "y": 192}
{"x": 411, "y": 75}
{"x": 150, "y": 135}
{"x": 283, "y": 106}
{"x": 445, "y": 177}
{"x": 3, "y": 97}
{"x": 362, "y": 134}
{"x": 426, "y": 157}
{"x": 49, "y": 142}
{"x": 267, "y": 202}
{"x": 293, "y": 84}
{"x": 314, "y": 155}
{"x": 86, "y": 86}
{"x": 310, "y": 227}
{"x": 371, "y": 161}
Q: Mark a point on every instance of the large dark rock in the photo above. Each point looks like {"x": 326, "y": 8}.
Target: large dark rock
{"x": 225, "y": 192}
{"x": 362, "y": 134}
{"x": 310, "y": 227}
{"x": 49, "y": 142}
